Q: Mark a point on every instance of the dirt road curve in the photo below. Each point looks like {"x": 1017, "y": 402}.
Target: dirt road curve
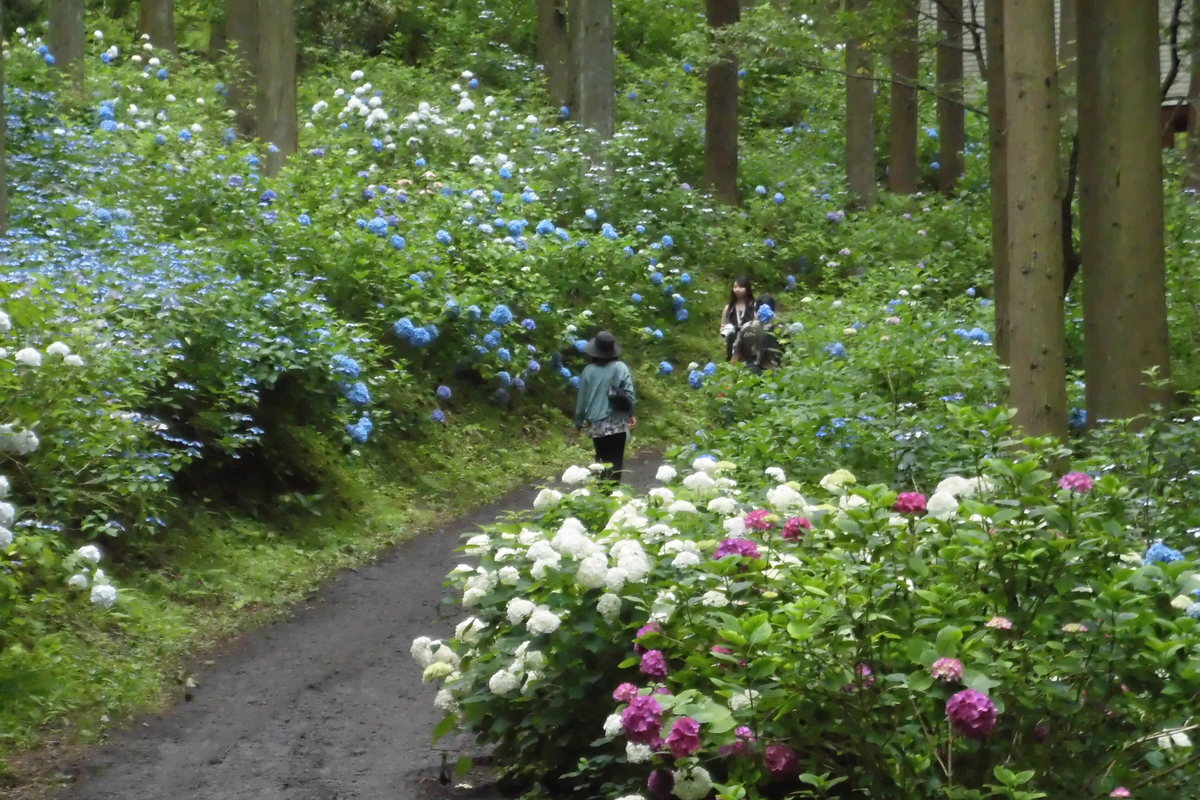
{"x": 326, "y": 705}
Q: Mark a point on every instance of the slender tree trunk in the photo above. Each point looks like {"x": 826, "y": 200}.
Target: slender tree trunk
{"x": 952, "y": 131}
{"x": 276, "y": 99}
{"x": 860, "y": 117}
{"x": 596, "y": 60}
{"x": 67, "y": 38}
{"x": 1192, "y": 179}
{"x": 1121, "y": 207}
{"x": 721, "y": 111}
{"x": 906, "y": 66}
{"x": 157, "y": 18}
{"x": 1037, "y": 367}
{"x": 554, "y": 49}
{"x": 3, "y": 139}
{"x": 998, "y": 163}
{"x": 241, "y": 30}
{"x": 1068, "y": 48}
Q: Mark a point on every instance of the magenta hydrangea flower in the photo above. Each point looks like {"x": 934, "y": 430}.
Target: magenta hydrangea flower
{"x": 1078, "y": 482}
{"x": 971, "y": 713}
{"x": 684, "y": 738}
{"x": 736, "y": 547}
{"x": 642, "y": 719}
{"x": 781, "y": 761}
{"x": 760, "y": 519}
{"x": 1120, "y": 791}
{"x": 795, "y": 527}
{"x": 645, "y": 630}
{"x": 660, "y": 783}
{"x": 909, "y": 503}
{"x": 625, "y": 693}
{"x": 743, "y": 741}
{"x": 947, "y": 669}
{"x": 654, "y": 664}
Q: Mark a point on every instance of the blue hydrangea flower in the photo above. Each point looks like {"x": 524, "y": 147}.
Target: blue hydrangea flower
{"x": 564, "y": 112}
{"x": 108, "y": 125}
{"x": 360, "y": 431}
{"x": 778, "y": 198}
{"x": 688, "y": 68}
{"x": 404, "y": 328}
{"x": 544, "y": 227}
{"x": 501, "y": 315}
{"x": 377, "y": 226}
{"x": 1193, "y": 611}
{"x": 836, "y": 216}
{"x": 160, "y": 139}
{"x": 49, "y": 59}
{"x": 398, "y": 242}
{"x": 695, "y": 379}
{"x": 971, "y": 292}
{"x": 503, "y": 354}
{"x": 377, "y": 145}
{"x": 710, "y": 368}
{"x": 342, "y": 364}
{"x": 505, "y": 173}
{"x": 575, "y": 381}
{"x": 473, "y": 83}
{"x": 451, "y": 307}
{"x": 765, "y": 314}
{"x": 438, "y": 416}
{"x": 357, "y": 393}
{"x": 420, "y": 162}
{"x": 529, "y": 196}
{"x": 162, "y": 74}
{"x": 504, "y": 377}
{"x": 932, "y": 133}
{"x": 473, "y": 313}
{"x": 492, "y": 339}
{"x": 566, "y": 373}
{"x": 528, "y": 324}
{"x": 1159, "y": 553}
{"x": 444, "y": 237}
{"x": 608, "y": 231}
{"x": 686, "y": 279}
{"x": 681, "y": 315}
{"x": 563, "y": 234}
{"x": 637, "y": 298}
{"x": 668, "y": 241}
{"x": 590, "y": 214}
{"x": 665, "y": 368}
{"x": 305, "y": 220}
{"x": 444, "y": 392}
{"x": 656, "y": 278}
{"x": 791, "y": 281}
{"x": 267, "y": 197}
{"x": 935, "y": 165}
{"x": 534, "y": 365}
{"x": 836, "y": 349}
{"x": 760, "y": 189}
{"x": 185, "y": 135}
{"x": 1077, "y": 418}
{"x": 678, "y": 301}
{"x": 421, "y": 337}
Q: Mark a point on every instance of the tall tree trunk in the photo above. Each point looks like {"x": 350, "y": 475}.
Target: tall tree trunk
{"x": 952, "y": 131}
{"x": 592, "y": 20}
{"x": 1037, "y": 367}
{"x": 721, "y": 111}
{"x": 157, "y": 18}
{"x": 906, "y": 66}
{"x": 67, "y": 38}
{"x": 3, "y": 140}
{"x": 1121, "y": 207}
{"x": 241, "y": 30}
{"x": 860, "y": 117}
{"x": 1192, "y": 179}
{"x": 1068, "y": 47}
{"x": 554, "y": 49}
{"x": 998, "y": 164}
{"x": 276, "y": 98}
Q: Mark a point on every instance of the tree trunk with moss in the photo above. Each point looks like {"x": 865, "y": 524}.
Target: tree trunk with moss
{"x": 277, "y": 121}
{"x": 1037, "y": 366}
{"x": 860, "y": 117}
{"x": 721, "y": 111}
{"x": 241, "y": 32}
{"x": 157, "y": 19}
{"x": 67, "y": 38}
{"x": 952, "y": 132}
{"x": 554, "y": 50}
{"x": 998, "y": 168}
{"x": 593, "y": 51}
{"x": 906, "y": 66}
{"x": 1121, "y": 208}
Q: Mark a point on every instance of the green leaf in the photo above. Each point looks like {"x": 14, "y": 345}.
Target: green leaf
{"x": 948, "y": 639}
{"x": 463, "y": 766}
{"x": 447, "y": 724}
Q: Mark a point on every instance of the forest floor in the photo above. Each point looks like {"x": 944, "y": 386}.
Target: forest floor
{"x": 325, "y": 705}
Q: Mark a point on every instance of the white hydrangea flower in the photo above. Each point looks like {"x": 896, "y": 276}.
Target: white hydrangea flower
{"x": 89, "y": 552}
{"x": 714, "y": 598}
{"x": 470, "y": 630}
{"x": 631, "y": 515}
{"x": 784, "y": 497}
{"x": 58, "y": 349}
{"x": 692, "y": 783}
{"x": 741, "y": 700}
{"x": 528, "y": 536}
{"x": 478, "y": 545}
{"x": 941, "y": 505}
{"x": 503, "y": 683}
{"x": 531, "y": 680}
{"x": 28, "y": 356}
{"x": 681, "y": 507}
{"x": 609, "y": 606}
{"x": 543, "y": 621}
{"x": 547, "y": 498}
{"x": 849, "y": 501}
{"x": 662, "y": 494}
{"x": 615, "y": 578}
{"x": 6, "y": 537}
{"x": 518, "y": 609}
{"x": 1175, "y": 739}
{"x": 685, "y": 560}
{"x": 78, "y": 581}
{"x": 422, "y": 650}
{"x": 436, "y": 671}
{"x": 444, "y": 654}
{"x": 735, "y": 527}
{"x": 700, "y": 482}
{"x": 509, "y": 576}
{"x": 542, "y": 550}
{"x": 592, "y": 571}
{"x": 74, "y": 361}
{"x": 575, "y": 474}
{"x": 666, "y": 473}
{"x": 445, "y": 701}
{"x": 5, "y": 322}
{"x": 704, "y": 464}
{"x": 658, "y": 532}
{"x": 7, "y": 514}
{"x": 104, "y": 595}
{"x": 636, "y": 754}
{"x": 837, "y": 479}
{"x": 775, "y": 474}
{"x": 953, "y": 485}
{"x": 3, "y": 486}
{"x": 473, "y": 596}
{"x": 356, "y": 76}
{"x": 722, "y": 505}
{"x": 612, "y": 725}
{"x": 572, "y": 541}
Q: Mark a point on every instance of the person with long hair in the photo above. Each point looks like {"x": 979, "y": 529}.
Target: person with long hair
{"x": 606, "y": 406}
{"x": 737, "y": 312}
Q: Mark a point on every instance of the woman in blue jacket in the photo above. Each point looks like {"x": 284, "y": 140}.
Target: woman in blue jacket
{"x": 606, "y": 407}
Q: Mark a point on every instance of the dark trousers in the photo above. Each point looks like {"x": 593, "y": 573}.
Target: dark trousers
{"x": 611, "y": 450}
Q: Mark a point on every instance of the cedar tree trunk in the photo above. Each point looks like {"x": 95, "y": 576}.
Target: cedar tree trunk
{"x": 860, "y": 118}
{"x": 276, "y": 98}
{"x": 157, "y": 18}
{"x": 721, "y": 112}
{"x": 998, "y": 164}
{"x": 952, "y": 132}
{"x": 554, "y": 49}
{"x": 906, "y": 65}
{"x": 67, "y": 38}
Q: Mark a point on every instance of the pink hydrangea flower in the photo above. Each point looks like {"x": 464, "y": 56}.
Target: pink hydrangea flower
{"x": 1078, "y": 482}
{"x": 1120, "y": 791}
{"x": 625, "y": 693}
{"x": 645, "y": 630}
{"x": 743, "y": 740}
{"x": 684, "y": 738}
{"x": 865, "y": 678}
{"x": 760, "y": 520}
{"x": 794, "y": 527}
{"x": 971, "y": 713}
{"x": 736, "y": 547}
{"x": 1000, "y": 623}
{"x": 781, "y": 761}
{"x": 642, "y": 719}
{"x": 654, "y": 664}
{"x": 947, "y": 669}
{"x": 909, "y": 503}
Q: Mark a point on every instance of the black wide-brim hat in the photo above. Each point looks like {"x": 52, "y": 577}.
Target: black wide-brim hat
{"x": 604, "y": 345}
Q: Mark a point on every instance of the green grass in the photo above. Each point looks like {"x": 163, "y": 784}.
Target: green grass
{"x": 232, "y": 570}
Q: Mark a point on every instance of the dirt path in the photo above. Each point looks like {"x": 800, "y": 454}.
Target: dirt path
{"x": 326, "y": 705}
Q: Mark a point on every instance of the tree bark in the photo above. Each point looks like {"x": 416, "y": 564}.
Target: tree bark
{"x": 906, "y": 66}
{"x": 998, "y": 164}
{"x": 860, "y": 118}
{"x": 554, "y": 49}
{"x": 67, "y": 38}
{"x": 592, "y": 21}
{"x": 3, "y": 140}
{"x": 1192, "y": 178}
{"x": 952, "y": 131}
{"x": 276, "y": 98}
{"x": 241, "y": 30}
{"x": 1068, "y": 49}
{"x": 1037, "y": 367}
{"x": 1121, "y": 208}
{"x": 721, "y": 111}
{"x": 157, "y": 18}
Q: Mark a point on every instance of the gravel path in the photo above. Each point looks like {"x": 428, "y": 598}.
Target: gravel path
{"x": 326, "y": 705}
